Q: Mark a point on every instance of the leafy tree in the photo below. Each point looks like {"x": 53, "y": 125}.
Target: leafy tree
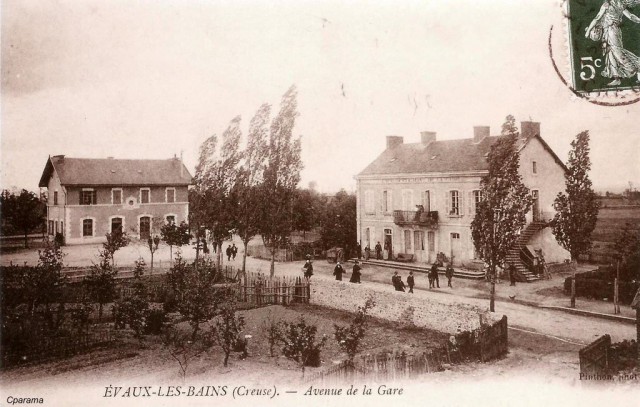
{"x": 24, "y": 212}
{"x": 500, "y": 216}
{"x": 226, "y": 330}
{"x": 153, "y": 243}
{"x": 304, "y": 214}
{"x": 216, "y": 174}
{"x": 133, "y": 309}
{"x": 183, "y": 348}
{"x": 246, "y": 189}
{"x": 577, "y": 209}
{"x": 627, "y": 248}
{"x": 299, "y": 343}
{"x": 350, "y": 338}
{"x": 338, "y": 221}
{"x": 175, "y": 235}
{"x": 101, "y": 283}
{"x": 281, "y": 176}
{"x": 197, "y": 300}
{"x": 116, "y": 240}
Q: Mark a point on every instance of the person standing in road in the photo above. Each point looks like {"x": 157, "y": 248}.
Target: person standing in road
{"x": 449, "y": 273}
{"x": 410, "y": 282}
{"x": 355, "y": 274}
{"x": 396, "y": 280}
{"x": 234, "y": 251}
{"x": 228, "y": 251}
{"x": 308, "y": 269}
{"x": 338, "y": 271}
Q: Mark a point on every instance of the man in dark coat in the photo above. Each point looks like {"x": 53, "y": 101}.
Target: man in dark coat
{"x": 338, "y": 271}
{"x": 228, "y": 251}
{"x": 355, "y": 275}
{"x": 359, "y": 250}
{"x": 449, "y": 273}
{"x": 234, "y": 251}
{"x": 410, "y": 282}
{"x": 308, "y": 269}
{"x": 433, "y": 276}
{"x": 378, "y": 251}
{"x": 512, "y": 274}
{"x": 396, "y": 280}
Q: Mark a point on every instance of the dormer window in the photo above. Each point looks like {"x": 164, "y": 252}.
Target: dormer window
{"x": 535, "y": 167}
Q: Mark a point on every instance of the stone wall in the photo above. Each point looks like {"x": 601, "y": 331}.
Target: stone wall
{"x": 417, "y": 310}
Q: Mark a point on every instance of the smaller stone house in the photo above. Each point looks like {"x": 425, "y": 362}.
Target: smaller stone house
{"x": 88, "y": 198}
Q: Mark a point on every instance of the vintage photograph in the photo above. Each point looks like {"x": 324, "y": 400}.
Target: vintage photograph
{"x": 320, "y": 202}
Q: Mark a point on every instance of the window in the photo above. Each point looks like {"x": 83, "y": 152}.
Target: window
{"x": 87, "y": 227}
{"x": 369, "y": 206}
{"x": 477, "y": 197}
{"x": 455, "y": 235}
{"x": 116, "y": 224}
{"x": 88, "y": 197}
{"x": 116, "y": 196}
{"x": 407, "y": 241}
{"x": 171, "y": 219}
{"x": 385, "y": 201}
{"x": 55, "y": 197}
{"x": 418, "y": 239}
{"x": 145, "y": 195}
{"x": 62, "y": 227}
{"x": 56, "y": 223}
{"x": 535, "y": 167}
{"x": 145, "y": 227}
{"x": 170, "y": 195}
{"x": 407, "y": 200}
{"x": 50, "y": 227}
{"x": 426, "y": 201}
{"x": 454, "y": 209}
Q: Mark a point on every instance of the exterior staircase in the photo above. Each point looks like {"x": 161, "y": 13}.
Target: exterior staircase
{"x": 513, "y": 255}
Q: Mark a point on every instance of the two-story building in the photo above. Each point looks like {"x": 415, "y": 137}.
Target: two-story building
{"x": 420, "y": 198}
{"x": 88, "y": 198}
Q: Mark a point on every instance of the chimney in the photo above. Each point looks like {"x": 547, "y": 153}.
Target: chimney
{"x": 529, "y": 129}
{"x": 394, "y": 141}
{"x": 59, "y": 157}
{"x": 427, "y": 137}
{"x": 480, "y": 132}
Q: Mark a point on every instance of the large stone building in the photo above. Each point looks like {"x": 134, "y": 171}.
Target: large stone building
{"x": 88, "y": 198}
{"x": 420, "y": 198}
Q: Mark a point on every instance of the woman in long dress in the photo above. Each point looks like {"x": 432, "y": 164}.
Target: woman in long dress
{"x": 619, "y": 62}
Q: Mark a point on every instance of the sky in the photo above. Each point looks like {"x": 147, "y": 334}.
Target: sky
{"x": 150, "y": 79}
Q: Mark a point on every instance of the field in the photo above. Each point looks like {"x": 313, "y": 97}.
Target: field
{"x": 611, "y": 220}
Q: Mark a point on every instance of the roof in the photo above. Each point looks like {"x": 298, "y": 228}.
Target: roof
{"x": 445, "y": 156}
{"x": 109, "y": 171}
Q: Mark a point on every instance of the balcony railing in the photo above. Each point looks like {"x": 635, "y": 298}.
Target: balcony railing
{"x": 427, "y": 219}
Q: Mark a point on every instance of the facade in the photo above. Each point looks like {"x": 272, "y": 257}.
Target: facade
{"x": 88, "y": 198}
{"x": 419, "y": 199}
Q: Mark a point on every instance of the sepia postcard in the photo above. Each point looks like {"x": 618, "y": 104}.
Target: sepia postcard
{"x": 281, "y": 203}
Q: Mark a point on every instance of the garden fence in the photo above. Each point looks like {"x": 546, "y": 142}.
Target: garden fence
{"x": 260, "y": 290}
{"x": 483, "y": 344}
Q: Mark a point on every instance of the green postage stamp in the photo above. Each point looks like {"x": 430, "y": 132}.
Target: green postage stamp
{"x": 604, "y": 41}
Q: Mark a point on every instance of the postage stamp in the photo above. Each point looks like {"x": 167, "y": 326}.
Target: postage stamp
{"x": 604, "y": 41}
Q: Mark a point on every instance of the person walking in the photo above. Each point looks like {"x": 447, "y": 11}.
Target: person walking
{"x": 410, "y": 282}
{"x": 367, "y": 252}
{"x": 338, "y": 271}
{"x": 378, "y": 251}
{"x": 308, "y": 269}
{"x": 433, "y": 276}
{"x": 512, "y": 274}
{"x": 355, "y": 274}
{"x": 449, "y": 273}
{"x": 234, "y": 251}
{"x": 228, "y": 251}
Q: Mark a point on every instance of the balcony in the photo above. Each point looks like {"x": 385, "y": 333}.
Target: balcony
{"x": 426, "y": 219}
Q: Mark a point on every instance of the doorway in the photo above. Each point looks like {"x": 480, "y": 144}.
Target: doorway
{"x": 455, "y": 248}
{"x": 431, "y": 243}
{"x": 418, "y": 245}
{"x": 536, "y": 205}
{"x": 388, "y": 244}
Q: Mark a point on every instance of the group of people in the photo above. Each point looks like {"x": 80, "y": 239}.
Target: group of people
{"x": 232, "y": 251}
{"x": 356, "y": 273}
{"x": 434, "y": 280}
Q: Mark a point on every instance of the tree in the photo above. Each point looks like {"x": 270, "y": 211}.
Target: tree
{"x": 500, "y": 216}
{"x": 24, "y": 212}
{"x": 216, "y": 174}
{"x": 175, "y": 235}
{"x": 299, "y": 343}
{"x": 281, "y": 176}
{"x": 338, "y": 221}
{"x": 627, "y": 248}
{"x": 153, "y": 243}
{"x": 577, "y": 207}
{"x": 304, "y": 215}
{"x": 100, "y": 282}
{"x": 246, "y": 190}
{"x": 350, "y": 338}
{"x": 226, "y": 330}
{"x": 116, "y": 240}
{"x": 197, "y": 300}
{"x": 133, "y": 309}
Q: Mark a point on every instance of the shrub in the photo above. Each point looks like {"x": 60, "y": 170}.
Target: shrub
{"x": 226, "y": 331}
{"x": 349, "y": 338}
{"x": 155, "y": 322}
{"x": 299, "y": 343}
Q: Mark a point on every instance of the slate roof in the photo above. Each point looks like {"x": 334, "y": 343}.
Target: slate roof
{"x": 109, "y": 171}
{"x": 444, "y": 156}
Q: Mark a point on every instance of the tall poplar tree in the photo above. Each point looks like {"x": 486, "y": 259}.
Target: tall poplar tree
{"x": 281, "y": 176}
{"x": 500, "y": 216}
